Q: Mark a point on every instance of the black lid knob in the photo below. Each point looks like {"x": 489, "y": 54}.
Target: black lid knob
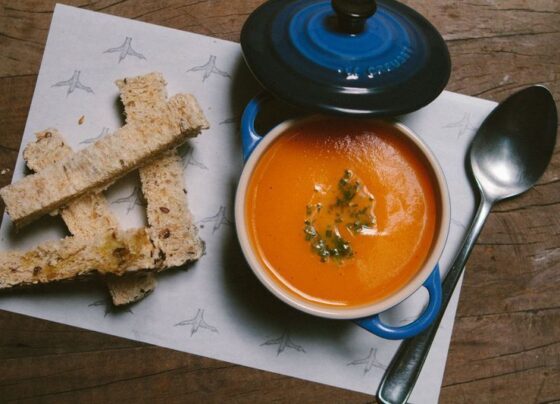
{"x": 352, "y": 14}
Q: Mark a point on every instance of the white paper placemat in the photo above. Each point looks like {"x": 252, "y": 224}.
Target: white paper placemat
{"x": 216, "y": 308}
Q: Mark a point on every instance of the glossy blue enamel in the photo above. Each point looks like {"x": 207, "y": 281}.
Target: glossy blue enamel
{"x": 250, "y": 139}
{"x": 249, "y": 136}
{"x": 375, "y": 325}
{"x": 386, "y": 52}
{"x": 298, "y": 51}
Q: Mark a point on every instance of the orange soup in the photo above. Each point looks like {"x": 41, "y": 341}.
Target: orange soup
{"x": 342, "y": 212}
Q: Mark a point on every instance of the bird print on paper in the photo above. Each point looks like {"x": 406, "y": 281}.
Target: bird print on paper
{"x": 458, "y": 223}
{"x": 209, "y": 68}
{"x": 284, "y": 342}
{"x": 73, "y": 83}
{"x": 109, "y": 308}
{"x": 125, "y": 50}
{"x": 464, "y": 125}
{"x": 233, "y": 120}
{"x": 368, "y": 362}
{"x": 187, "y": 154}
{"x": 134, "y": 199}
{"x": 196, "y": 323}
{"x": 219, "y": 219}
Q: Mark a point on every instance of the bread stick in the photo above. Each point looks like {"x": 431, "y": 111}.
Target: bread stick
{"x": 116, "y": 252}
{"x": 97, "y": 166}
{"x": 87, "y": 216}
{"x": 171, "y": 224}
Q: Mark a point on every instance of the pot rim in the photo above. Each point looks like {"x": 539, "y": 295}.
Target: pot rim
{"x": 323, "y": 310}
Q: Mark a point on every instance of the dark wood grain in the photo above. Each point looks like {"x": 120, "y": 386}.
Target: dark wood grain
{"x": 506, "y": 340}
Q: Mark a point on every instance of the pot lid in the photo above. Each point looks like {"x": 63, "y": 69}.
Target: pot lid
{"x": 346, "y": 56}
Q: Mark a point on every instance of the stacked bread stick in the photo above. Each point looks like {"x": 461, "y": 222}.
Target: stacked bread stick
{"x": 71, "y": 182}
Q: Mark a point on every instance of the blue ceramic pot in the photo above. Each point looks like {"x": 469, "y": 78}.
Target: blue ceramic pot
{"x": 428, "y": 276}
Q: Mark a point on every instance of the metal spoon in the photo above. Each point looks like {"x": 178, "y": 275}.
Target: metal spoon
{"x": 509, "y": 153}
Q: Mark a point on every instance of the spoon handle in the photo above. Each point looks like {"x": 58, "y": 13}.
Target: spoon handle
{"x": 401, "y": 376}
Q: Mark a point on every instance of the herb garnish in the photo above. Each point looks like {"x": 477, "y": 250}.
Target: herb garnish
{"x": 350, "y": 209}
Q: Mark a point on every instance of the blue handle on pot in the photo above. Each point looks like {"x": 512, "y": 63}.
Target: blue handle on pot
{"x": 250, "y": 139}
{"x": 249, "y": 136}
{"x": 373, "y": 324}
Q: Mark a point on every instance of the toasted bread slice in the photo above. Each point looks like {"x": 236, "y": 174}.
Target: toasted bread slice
{"x": 116, "y": 252}
{"x": 130, "y": 288}
{"x": 171, "y": 224}
{"x": 157, "y": 130}
{"x": 87, "y": 216}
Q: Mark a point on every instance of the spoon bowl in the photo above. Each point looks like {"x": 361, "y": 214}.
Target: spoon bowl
{"x": 514, "y": 145}
{"x": 509, "y": 153}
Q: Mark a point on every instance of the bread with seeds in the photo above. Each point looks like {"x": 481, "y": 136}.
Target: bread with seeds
{"x": 97, "y": 166}
{"x": 87, "y": 216}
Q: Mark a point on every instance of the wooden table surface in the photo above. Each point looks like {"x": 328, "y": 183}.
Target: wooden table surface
{"x": 506, "y": 340}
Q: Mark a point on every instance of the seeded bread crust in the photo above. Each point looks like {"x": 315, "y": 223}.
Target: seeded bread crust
{"x": 69, "y": 181}
{"x": 116, "y": 252}
{"x": 157, "y": 130}
{"x": 172, "y": 227}
{"x": 171, "y": 224}
{"x": 130, "y": 288}
{"x": 87, "y": 216}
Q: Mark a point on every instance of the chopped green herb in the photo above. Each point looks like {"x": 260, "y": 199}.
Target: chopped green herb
{"x": 352, "y": 208}
{"x": 310, "y": 232}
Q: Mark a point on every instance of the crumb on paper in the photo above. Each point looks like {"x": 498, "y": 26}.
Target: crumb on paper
{"x": 81, "y": 120}
{"x": 5, "y": 171}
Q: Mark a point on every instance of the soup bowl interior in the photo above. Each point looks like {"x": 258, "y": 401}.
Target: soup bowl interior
{"x": 375, "y": 305}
